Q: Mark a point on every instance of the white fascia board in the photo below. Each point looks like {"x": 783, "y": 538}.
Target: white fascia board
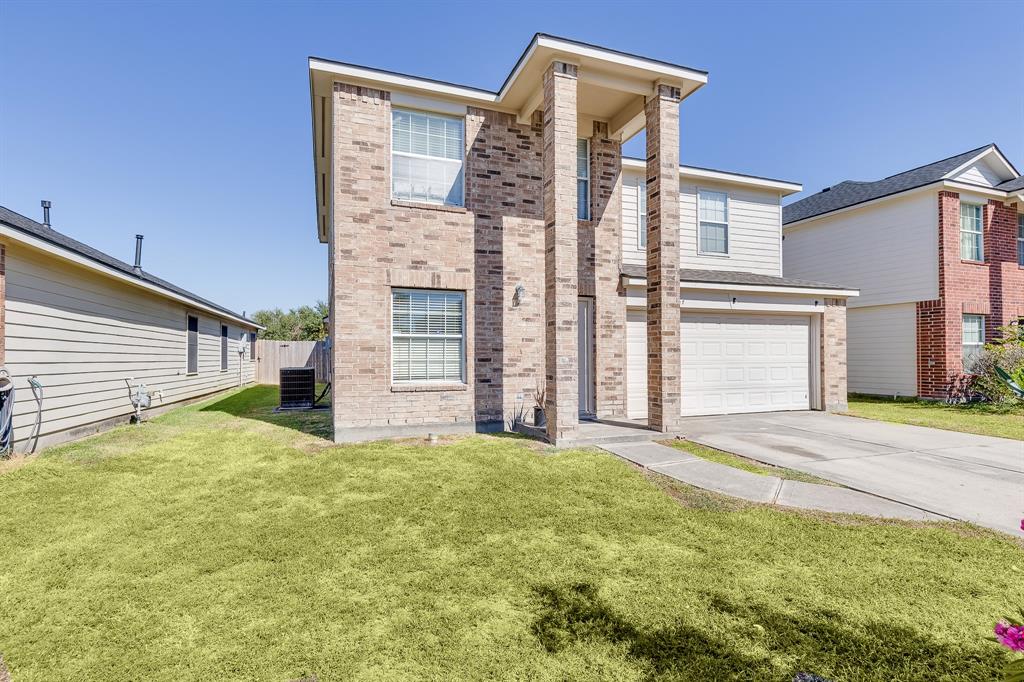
{"x": 594, "y": 52}
{"x": 1007, "y": 166}
{"x": 402, "y": 81}
{"x": 78, "y": 259}
{"x": 770, "y": 288}
{"x": 690, "y": 172}
{"x": 991, "y": 192}
{"x": 753, "y": 288}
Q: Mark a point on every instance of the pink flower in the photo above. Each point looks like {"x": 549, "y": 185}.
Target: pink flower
{"x": 1010, "y": 636}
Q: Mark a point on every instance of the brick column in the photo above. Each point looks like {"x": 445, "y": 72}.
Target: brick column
{"x": 833, "y": 355}
{"x": 610, "y": 302}
{"x": 561, "y": 289}
{"x": 663, "y": 354}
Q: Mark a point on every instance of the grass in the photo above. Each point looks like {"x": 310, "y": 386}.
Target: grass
{"x": 744, "y": 463}
{"x": 986, "y": 419}
{"x": 225, "y": 542}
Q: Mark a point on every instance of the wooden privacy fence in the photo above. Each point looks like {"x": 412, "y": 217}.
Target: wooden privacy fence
{"x": 271, "y": 356}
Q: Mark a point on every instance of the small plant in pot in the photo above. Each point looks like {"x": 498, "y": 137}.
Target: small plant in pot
{"x": 539, "y": 394}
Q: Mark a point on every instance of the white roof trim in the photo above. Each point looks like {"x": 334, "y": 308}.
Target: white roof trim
{"x": 769, "y": 288}
{"x": 566, "y": 47}
{"x": 78, "y": 259}
{"x": 402, "y": 81}
{"x": 694, "y": 173}
{"x": 1007, "y": 166}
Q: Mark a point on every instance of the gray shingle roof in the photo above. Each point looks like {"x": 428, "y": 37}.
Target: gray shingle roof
{"x": 732, "y": 277}
{"x": 1012, "y": 185}
{"x": 851, "y": 193}
{"x": 52, "y": 236}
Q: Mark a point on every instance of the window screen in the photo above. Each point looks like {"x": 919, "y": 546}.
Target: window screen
{"x": 583, "y": 179}
{"x": 427, "y": 152}
{"x": 427, "y": 336}
{"x": 192, "y": 354}
{"x": 971, "y": 223}
{"x": 973, "y": 339}
{"x": 223, "y": 347}
{"x": 714, "y": 222}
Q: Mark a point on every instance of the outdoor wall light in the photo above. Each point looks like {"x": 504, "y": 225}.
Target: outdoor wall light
{"x": 517, "y": 298}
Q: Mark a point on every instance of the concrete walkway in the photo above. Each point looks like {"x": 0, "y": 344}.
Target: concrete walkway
{"x": 728, "y": 480}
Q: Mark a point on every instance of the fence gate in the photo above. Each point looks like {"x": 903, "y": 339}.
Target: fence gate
{"x": 271, "y": 356}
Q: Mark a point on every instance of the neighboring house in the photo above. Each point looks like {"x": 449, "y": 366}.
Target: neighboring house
{"x": 938, "y": 255}
{"x": 486, "y": 244}
{"x": 82, "y": 322}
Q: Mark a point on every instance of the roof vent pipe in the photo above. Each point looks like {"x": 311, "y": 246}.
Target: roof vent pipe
{"x": 46, "y": 212}
{"x": 138, "y": 255}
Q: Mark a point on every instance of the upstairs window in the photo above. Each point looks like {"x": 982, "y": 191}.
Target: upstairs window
{"x": 223, "y": 347}
{"x": 973, "y": 339}
{"x": 192, "y": 345}
{"x": 713, "y": 208}
{"x": 427, "y": 336}
{"x": 427, "y": 154}
{"x": 583, "y": 179}
{"x": 971, "y": 229}
{"x": 1020, "y": 240}
{"x": 642, "y": 210}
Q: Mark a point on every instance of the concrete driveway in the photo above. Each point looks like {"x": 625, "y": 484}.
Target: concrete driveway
{"x": 959, "y": 475}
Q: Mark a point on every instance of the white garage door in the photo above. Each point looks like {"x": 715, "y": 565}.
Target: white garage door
{"x": 744, "y": 363}
{"x": 636, "y": 364}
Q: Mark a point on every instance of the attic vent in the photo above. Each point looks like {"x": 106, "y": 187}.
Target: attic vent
{"x": 826, "y": 189}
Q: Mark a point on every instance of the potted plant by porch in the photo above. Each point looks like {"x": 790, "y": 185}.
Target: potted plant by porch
{"x": 539, "y": 394}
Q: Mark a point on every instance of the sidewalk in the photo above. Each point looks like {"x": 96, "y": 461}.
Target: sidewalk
{"x": 728, "y": 480}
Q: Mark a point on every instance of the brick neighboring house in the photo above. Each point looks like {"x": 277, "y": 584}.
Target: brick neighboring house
{"x": 938, "y": 255}
{"x": 483, "y": 245}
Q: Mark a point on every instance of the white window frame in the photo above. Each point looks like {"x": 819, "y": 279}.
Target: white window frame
{"x": 641, "y": 212}
{"x": 701, "y": 223}
{"x": 191, "y": 371}
{"x": 980, "y": 232}
{"x": 1020, "y": 239}
{"x": 964, "y": 343}
{"x": 583, "y": 176}
{"x": 412, "y": 155}
{"x": 461, "y": 337}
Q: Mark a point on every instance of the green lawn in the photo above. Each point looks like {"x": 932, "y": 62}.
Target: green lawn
{"x": 222, "y": 542}
{"x": 1005, "y": 421}
{"x": 738, "y": 462}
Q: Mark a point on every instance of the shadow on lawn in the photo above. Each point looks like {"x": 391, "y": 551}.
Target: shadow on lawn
{"x": 821, "y": 643}
{"x": 259, "y": 402}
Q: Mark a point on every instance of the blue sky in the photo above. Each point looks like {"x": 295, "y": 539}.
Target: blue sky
{"x": 189, "y": 122}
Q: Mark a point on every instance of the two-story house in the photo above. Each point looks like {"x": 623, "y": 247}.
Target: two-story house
{"x": 486, "y": 245}
{"x": 938, "y": 255}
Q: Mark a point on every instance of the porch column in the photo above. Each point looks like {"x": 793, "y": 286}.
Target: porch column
{"x": 561, "y": 287}
{"x": 663, "y": 352}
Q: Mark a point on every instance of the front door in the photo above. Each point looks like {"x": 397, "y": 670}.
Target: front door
{"x": 585, "y": 379}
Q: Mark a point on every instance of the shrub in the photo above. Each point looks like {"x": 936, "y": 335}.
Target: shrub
{"x": 1006, "y": 352}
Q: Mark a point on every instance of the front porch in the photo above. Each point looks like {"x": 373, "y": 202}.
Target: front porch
{"x": 599, "y": 432}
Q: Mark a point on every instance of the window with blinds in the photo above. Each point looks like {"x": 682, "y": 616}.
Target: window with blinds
{"x": 583, "y": 179}
{"x": 641, "y": 203}
{"x": 714, "y": 222}
{"x": 973, "y": 340}
{"x": 427, "y": 336}
{"x": 223, "y": 347}
{"x": 427, "y": 152}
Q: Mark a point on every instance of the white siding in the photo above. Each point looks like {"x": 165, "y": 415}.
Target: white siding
{"x": 881, "y": 351}
{"x": 980, "y": 173}
{"x": 888, "y": 250}
{"x": 754, "y": 231}
{"x": 631, "y": 187}
{"x": 754, "y": 228}
{"x": 82, "y": 334}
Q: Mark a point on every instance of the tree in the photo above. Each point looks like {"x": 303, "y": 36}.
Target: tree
{"x": 304, "y": 323}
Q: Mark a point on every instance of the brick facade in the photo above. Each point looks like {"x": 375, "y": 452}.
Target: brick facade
{"x": 993, "y": 288}
{"x": 663, "y": 350}
{"x": 522, "y": 258}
